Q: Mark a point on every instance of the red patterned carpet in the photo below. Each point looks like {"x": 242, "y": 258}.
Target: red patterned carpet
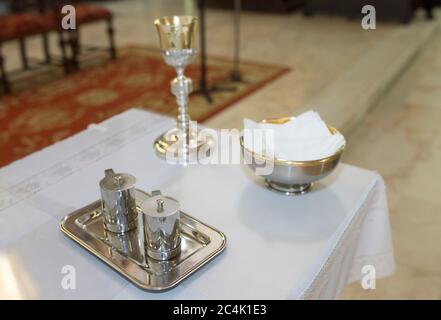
{"x": 35, "y": 117}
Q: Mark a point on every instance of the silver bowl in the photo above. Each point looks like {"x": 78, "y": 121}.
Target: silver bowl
{"x": 291, "y": 177}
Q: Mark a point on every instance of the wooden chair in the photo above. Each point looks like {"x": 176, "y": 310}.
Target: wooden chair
{"x": 85, "y": 14}
{"x": 28, "y": 18}
{"x": 39, "y": 17}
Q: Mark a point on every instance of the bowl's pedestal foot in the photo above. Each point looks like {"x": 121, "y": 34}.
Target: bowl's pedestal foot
{"x": 288, "y": 189}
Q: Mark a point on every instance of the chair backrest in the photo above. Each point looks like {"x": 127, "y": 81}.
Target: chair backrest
{"x": 48, "y": 5}
{"x": 57, "y": 3}
{"x": 26, "y": 5}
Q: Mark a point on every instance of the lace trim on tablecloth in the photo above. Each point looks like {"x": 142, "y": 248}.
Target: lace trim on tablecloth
{"x": 52, "y": 175}
{"x": 347, "y": 245}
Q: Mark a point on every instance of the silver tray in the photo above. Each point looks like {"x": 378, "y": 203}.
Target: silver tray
{"x": 125, "y": 252}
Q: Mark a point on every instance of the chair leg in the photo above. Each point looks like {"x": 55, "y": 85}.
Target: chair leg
{"x": 47, "y": 54}
{"x": 62, "y": 43}
{"x": 111, "y": 34}
{"x": 4, "y": 76}
{"x": 428, "y": 7}
{"x": 23, "y": 53}
{"x": 73, "y": 42}
{"x": 78, "y": 41}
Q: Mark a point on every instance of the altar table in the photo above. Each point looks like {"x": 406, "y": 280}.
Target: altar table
{"x": 278, "y": 247}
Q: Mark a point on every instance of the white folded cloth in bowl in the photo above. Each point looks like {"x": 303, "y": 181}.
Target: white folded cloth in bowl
{"x": 305, "y": 138}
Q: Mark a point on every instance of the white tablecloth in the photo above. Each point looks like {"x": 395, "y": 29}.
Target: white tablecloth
{"x": 278, "y": 247}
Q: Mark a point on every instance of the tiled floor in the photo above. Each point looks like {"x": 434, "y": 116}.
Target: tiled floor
{"x": 400, "y": 138}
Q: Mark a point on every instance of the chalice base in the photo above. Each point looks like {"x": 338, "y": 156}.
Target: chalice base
{"x": 168, "y": 146}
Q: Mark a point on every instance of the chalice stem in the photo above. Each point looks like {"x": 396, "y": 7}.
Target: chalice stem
{"x": 181, "y": 87}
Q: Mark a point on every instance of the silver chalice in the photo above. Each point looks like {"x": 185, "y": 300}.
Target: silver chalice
{"x": 184, "y": 143}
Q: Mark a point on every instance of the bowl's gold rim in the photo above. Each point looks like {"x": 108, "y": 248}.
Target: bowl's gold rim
{"x": 284, "y": 162}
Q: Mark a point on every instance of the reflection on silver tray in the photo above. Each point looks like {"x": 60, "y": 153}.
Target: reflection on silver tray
{"x": 125, "y": 252}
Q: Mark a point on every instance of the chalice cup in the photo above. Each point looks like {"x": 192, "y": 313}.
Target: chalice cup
{"x": 184, "y": 143}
